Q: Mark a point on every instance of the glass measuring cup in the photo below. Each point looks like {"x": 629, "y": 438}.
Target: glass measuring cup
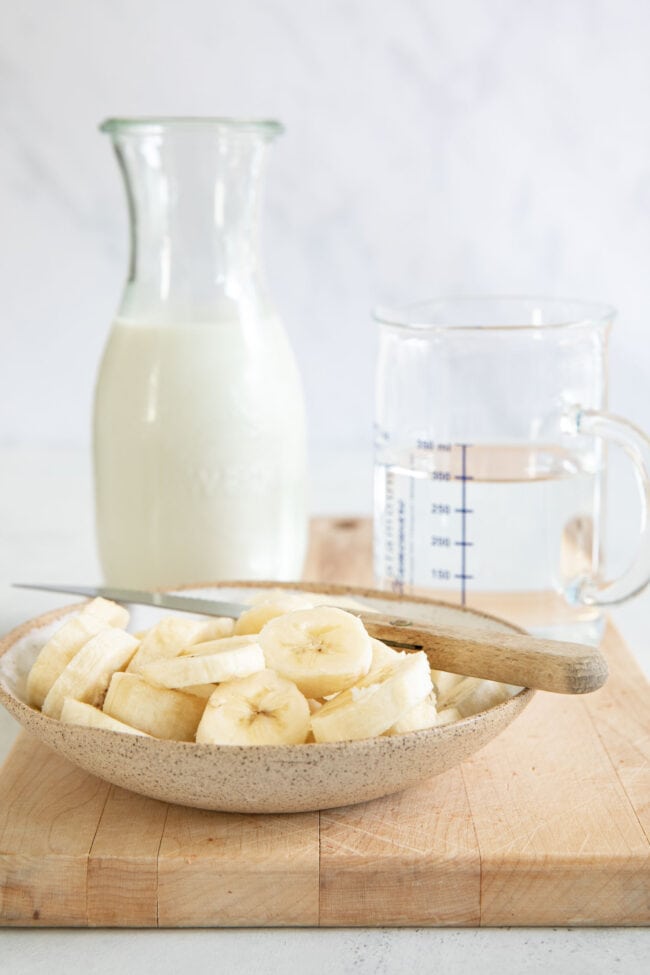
{"x": 490, "y": 451}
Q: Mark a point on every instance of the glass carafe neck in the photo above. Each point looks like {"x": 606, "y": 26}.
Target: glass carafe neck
{"x": 193, "y": 188}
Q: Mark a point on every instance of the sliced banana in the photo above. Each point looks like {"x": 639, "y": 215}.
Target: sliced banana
{"x": 383, "y": 655}
{"x": 376, "y": 702}
{"x": 444, "y": 682}
{"x": 448, "y": 716}
{"x": 57, "y": 654}
{"x": 263, "y": 610}
{"x": 200, "y": 690}
{"x": 159, "y": 711}
{"x": 269, "y": 595}
{"x": 311, "y": 673}
{"x": 216, "y": 628}
{"x": 321, "y": 650}
{"x": 108, "y": 612}
{"x": 263, "y": 709}
{"x": 208, "y": 663}
{"x": 423, "y": 715}
{"x": 174, "y": 634}
{"x": 88, "y": 674}
{"x": 473, "y": 694}
{"x": 76, "y": 712}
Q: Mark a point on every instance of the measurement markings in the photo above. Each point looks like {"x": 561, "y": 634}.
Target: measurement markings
{"x": 463, "y": 511}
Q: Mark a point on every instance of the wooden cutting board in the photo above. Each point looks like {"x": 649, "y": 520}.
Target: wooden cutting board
{"x": 548, "y": 825}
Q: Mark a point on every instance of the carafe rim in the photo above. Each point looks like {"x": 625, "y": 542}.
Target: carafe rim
{"x": 156, "y": 124}
{"x": 421, "y": 316}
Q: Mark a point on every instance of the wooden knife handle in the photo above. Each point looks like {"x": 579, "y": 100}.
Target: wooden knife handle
{"x": 512, "y": 658}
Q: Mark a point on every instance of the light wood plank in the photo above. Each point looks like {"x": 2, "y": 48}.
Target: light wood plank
{"x": 407, "y": 859}
{"x": 228, "y": 870}
{"x": 49, "y": 810}
{"x": 123, "y": 862}
{"x": 559, "y": 842}
{"x": 621, "y": 715}
{"x": 340, "y": 551}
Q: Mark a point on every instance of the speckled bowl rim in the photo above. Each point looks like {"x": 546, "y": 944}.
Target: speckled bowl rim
{"x": 285, "y": 753}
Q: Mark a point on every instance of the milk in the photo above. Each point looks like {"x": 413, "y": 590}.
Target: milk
{"x": 199, "y": 453}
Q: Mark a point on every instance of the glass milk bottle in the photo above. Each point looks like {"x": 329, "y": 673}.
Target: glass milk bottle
{"x": 199, "y": 439}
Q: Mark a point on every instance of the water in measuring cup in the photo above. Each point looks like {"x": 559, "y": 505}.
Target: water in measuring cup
{"x": 475, "y": 525}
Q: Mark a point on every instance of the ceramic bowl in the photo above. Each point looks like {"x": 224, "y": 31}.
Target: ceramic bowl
{"x": 257, "y": 779}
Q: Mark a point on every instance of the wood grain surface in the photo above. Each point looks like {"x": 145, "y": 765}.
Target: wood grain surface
{"x": 547, "y": 825}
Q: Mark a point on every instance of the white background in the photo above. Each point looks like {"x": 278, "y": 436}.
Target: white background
{"x": 432, "y": 147}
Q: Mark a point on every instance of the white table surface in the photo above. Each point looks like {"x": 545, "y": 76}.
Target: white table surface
{"x": 46, "y": 533}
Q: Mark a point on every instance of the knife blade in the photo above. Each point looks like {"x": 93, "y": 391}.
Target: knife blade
{"x": 140, "y": 597}
{"x": 166, "y": 600}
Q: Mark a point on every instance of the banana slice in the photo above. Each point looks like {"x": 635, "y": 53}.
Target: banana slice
{"x": 159, "y": 711}
{"x": 321, "y": 650}
{"x": 423, "y": 715}
{"x": 263, "y": 709}
{"x": 108, "y": 612}
{"x": 268, "y": 596}
{"x": 376, "y": 702}
{"x": 263, "y": 610}
{"x": 448, "y": 716}
{"x": 208, "y": 663}
{"x": 444, "y": 682}
{"x": 174, "y": 634}
{"x": 200, "y": 690}
{"x": 383, "y": 655}
{"x": 76, "y": 712}
{"x": 88, "y": 674}
{"x": 472, "y": 694}
{"x": 57, "y": 654}
{"x": 314, "y": 706}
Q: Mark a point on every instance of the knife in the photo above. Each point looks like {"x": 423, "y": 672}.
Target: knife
{"x": 508, "y": 657}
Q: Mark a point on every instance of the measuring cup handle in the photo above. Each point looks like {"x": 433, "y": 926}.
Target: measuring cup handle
{"x": 637, "y": 447}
